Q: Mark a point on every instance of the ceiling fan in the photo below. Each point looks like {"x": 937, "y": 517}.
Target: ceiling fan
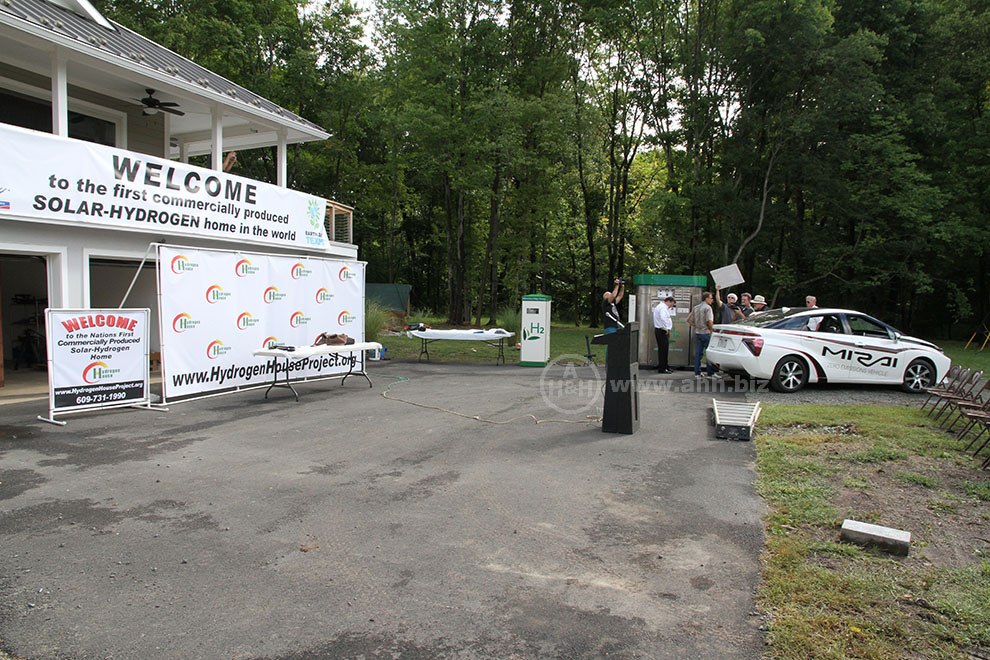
{"x": 153, "y": 106}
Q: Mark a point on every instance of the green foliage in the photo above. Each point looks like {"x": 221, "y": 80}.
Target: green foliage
{"x": 376, "y": 319}
{"x": 497, "y": 148}
{"x": 510, "y": 318}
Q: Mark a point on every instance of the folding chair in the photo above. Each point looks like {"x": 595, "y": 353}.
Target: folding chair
{"x": 958, "y": 409}
{"x": 953, "y": 378}
{"x": 985, "y": 424}
{"x": 982, "y": 420}
{"x": 967, "y": 391}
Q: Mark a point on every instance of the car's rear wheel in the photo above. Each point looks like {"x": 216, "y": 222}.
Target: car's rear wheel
{"x": 918, "y": 376}
{"x": 790, "y": 374}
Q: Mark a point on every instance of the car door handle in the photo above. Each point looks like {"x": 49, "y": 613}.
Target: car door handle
{"x": 859, "y": 344}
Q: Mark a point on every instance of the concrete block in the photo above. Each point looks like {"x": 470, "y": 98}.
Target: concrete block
{"x": 892, "y": 540}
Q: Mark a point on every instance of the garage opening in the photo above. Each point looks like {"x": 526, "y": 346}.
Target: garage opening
{"x": 23, "y": 299}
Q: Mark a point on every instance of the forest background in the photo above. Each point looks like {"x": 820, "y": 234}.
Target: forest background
{"x": 493, "y": 148}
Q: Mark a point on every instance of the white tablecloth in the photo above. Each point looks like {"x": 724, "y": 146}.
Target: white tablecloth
{"x": 492, "y": 334}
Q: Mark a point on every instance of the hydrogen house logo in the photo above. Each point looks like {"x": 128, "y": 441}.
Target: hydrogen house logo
{"x": 345, "y": 317}
{"x": 298, "y": 319}
{"x": 246, "y": 320}
{"x": 272, "y": 294}
{"x": 216, "y": 349}
{"x": 183, "y": 322}
{"x": 299, "y": 271}
{"x": 96, "y": 372}
{"x": 243, "y": 268}
{"x": 323, "y": 295}
{"x": 269, "y": 342}
{"x": 182, "y": 264}
{"x": 215, "y": 294}
{"x": 346, "y": 274}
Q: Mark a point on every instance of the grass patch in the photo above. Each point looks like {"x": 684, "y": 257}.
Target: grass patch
{"x": 827, "y": 599}
{"x": 978, "y": 489}
{"x": 971, "y": 358}
{"x": 917, "y": 479}
{"x": 856, "y": 483}
{"x": 564, "y": 340}
{"x": 877, "y": 454}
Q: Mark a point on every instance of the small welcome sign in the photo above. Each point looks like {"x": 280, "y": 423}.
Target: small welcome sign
{"x": 97, "y": 358}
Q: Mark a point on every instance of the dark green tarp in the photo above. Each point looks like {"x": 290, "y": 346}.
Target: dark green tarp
{"x": 393, "y": 297}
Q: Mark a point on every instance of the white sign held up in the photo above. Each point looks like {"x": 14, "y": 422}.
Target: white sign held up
{"x": 727, "y": 276}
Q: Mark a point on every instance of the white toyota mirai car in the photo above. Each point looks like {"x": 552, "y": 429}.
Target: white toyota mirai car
{"x": 791, "y": 347}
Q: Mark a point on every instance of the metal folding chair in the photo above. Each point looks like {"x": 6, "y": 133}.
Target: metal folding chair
{"x": 953, "y": 379}
{"x": 958, "y": 409}
{"x": 966, "y": 392}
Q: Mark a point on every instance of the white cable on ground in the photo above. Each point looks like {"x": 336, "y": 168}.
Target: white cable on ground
{"x": 478, "y": 418}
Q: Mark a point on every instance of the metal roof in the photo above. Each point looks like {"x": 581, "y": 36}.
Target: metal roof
{"x": 129, "y": 48}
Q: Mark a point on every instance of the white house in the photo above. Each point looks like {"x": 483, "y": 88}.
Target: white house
{"x": 97, "y": 121}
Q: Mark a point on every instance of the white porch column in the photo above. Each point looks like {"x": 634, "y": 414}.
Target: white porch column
{"x": 217, "y": 147}
{"x": 183, "y": 151}
{"x": 282, "y": 151}
{"x": 167, "y": 147}
{"x": 60, "y": 94}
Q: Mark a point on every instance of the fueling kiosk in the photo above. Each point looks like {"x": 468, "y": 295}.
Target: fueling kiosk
{"x": 650, "y": 290}
{"x": 535, "y": 335}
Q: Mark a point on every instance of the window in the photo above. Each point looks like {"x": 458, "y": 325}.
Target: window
{"x": 864, "y": 327}
{"x": 34, "y": 112}
{"x": 792, "y": 323}
{"x": 831, "y": 323}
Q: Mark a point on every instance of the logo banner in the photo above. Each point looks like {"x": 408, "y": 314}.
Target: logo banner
{"x": 74, "y": 182}
{"x": 218, "y": 307}
{"x": 98, "y": 358}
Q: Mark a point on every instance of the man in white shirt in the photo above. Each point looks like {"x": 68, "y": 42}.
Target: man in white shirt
{"x": 662, "y": 325}
{"x": 814, "y": 321}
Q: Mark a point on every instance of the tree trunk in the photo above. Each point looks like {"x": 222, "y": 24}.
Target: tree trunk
{"x": 494, "y": 221}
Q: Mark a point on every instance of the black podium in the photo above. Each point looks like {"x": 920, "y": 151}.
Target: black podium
{"x": 621, "y": 410}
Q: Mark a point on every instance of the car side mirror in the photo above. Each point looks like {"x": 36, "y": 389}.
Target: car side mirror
{"x": 896, "y": 336}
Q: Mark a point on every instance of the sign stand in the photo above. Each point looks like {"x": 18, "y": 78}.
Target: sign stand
{"x": 97, "y": 359}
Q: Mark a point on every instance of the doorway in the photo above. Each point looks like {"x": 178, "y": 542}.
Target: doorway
{"x": 23, "y": 299}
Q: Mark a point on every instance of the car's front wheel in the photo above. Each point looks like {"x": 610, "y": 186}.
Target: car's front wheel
{"x": 790, "y": 375}
{"x": 918, "y": 376}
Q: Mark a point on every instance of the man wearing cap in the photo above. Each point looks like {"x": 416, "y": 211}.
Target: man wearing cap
{"x": 759, "y": 304}
{"x": 728, "y": 312}
{"x": 662, "y": 325}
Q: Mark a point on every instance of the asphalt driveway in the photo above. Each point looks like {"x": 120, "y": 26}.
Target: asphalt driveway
{"x": 352, "y": 525}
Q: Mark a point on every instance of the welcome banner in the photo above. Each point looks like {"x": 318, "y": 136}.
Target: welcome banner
{"x": 74, "y": 182}
{"x": 218, "y": 307}
{"x": 98, "y": 358}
